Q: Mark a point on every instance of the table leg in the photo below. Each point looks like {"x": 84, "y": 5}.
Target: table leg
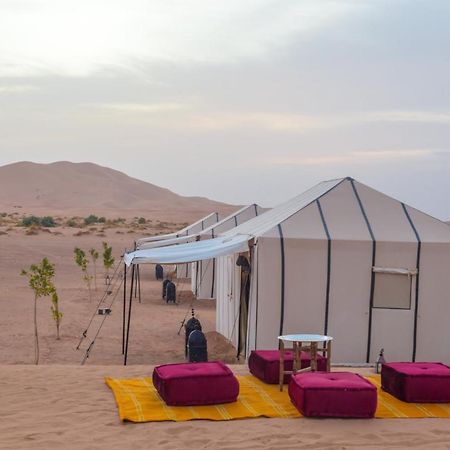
{"x": 281, "y": 364}
{"x": 296, "y": 365}
{"x": 314, "y": 356}
{"x": 329, "y": 356}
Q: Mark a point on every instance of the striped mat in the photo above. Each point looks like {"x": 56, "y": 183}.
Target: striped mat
{"x": 138, "y": 401}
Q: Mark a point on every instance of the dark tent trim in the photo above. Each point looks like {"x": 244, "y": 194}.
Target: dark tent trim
{"x": 283, "y": 274}
{"x": 372, "y": 275}
{"x": 327, "y": 295}
{"x": 416, "y": 303}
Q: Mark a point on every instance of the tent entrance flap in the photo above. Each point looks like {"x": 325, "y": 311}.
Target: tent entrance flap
{"x": 190, "y": 252}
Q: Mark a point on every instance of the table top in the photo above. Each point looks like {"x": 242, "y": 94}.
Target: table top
{"x": 305, "y": 338}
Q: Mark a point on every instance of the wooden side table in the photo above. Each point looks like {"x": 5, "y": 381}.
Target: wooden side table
{"x": 308, "y": 343}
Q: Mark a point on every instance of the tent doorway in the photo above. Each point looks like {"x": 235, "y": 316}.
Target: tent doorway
{"x": 244, "y": 298}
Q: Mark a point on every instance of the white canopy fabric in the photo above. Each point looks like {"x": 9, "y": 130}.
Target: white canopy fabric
{"x": 193, "y": 251}
{"x": 190, "y": 229}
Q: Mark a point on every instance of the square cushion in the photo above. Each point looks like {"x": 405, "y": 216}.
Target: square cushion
{"x": 333, "y": 394}
{"x": 420, "y": 382}
{"x": 189, "y": 384}
{"x": 265, "y": 364}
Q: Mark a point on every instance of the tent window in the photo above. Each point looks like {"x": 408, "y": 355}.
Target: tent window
{"x": 392, "y": 291}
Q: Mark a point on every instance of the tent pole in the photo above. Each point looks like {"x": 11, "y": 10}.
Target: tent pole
{"x": 129, "y": 318}
{"x": 139, "y": 282}
{"x": 124, "y": 306}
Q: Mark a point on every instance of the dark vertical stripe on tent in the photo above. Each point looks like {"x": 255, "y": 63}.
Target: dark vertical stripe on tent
{"x": 256, "y": 209}
{"x": 372, "y": 274}
{"x": 327, "y": 295}
{"x": 416, "y": 303}
{"x": 186, "y": 264}
{"x": 282, "y": 279}
{"x": 235, "y": 221}
{"x": 257, "y": 299}
{"x": 213, "y": 270}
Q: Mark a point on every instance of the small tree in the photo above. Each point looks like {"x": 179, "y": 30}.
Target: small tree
{"x": 108, "y": 259}
{"x": 56, "y": 313}
{"x": 40, "y": 281}
{"x": 94, "y": 255}
{"x": 82, "y": 262}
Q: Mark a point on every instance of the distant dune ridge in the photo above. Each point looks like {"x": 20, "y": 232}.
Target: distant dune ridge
{"x": 86, "y": 188}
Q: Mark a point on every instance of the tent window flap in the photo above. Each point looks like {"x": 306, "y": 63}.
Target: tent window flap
{"x": 393, "y": 288}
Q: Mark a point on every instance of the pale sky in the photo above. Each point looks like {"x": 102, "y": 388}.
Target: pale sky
{"x": 240, "y": 101}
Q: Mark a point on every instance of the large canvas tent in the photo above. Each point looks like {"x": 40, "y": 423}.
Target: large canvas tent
{"x": 340, "y": 259}
{"x": 345, "y": 260}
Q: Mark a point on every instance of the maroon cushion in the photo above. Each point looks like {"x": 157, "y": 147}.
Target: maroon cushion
{"x": 420, "y": 382}
{"x": 265, "y": 364}
{"x": 333, "y": 394}
{"x": 188, "y": 384}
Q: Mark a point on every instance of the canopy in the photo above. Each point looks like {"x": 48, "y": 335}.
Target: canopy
{"x": 193, "y": 251}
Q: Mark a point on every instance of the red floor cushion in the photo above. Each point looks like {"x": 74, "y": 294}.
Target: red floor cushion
{"x": 189, "y": 384}
{"x": 333, "y": 394}
{"x": 265, "y": 364}
{"x": 419, "y": 382}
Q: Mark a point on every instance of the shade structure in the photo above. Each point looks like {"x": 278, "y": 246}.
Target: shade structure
{"x": 194, "y": 251}
{"x": 345, "y": 260}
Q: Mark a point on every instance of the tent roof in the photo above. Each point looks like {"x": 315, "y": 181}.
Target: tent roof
{"x": 176, "y": 234}
{"x": 175, "y": 239}
{"x": 353, "y": 211}
{"x": 270, "y": 219}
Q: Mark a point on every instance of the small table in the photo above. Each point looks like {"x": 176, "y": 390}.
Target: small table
{"x": 297, "y": 343}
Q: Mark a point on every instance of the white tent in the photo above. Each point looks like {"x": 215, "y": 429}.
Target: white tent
{"x": 340, "y": 259}
{"x": 345, "y": 260}
{"x": 203, "y": 277}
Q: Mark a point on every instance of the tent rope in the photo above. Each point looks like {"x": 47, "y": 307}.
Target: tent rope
{"x": 102, "y": 299}
{"x": 91, "y": 345}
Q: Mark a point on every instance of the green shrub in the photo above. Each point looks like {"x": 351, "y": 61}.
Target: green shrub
{"x": 48, "y": 222}
{"x": 30, "y": 221}
{"x": 89, "y": 220}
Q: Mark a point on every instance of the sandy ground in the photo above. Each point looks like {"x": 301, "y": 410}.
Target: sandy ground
{"x": 70, "y": 407}
{"x": 61, "y": 404}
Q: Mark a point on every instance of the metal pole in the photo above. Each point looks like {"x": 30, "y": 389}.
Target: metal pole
{"x": 129, "y": 318}
{"x": 124, "y": 306}
{"x": 139, "y": 282}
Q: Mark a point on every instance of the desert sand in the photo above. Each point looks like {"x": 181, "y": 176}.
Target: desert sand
{"x": 62, "y": 404}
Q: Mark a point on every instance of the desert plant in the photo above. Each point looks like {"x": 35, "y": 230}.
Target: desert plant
{"x": 72, "y": 223}
{"x": 108, "y": 259}
{"x": 102, "y": 219}
{"x": 89, "y": 220}
{"x": 94, "y": 256}
{"x": 82, "y": 262}
{"x": 30, "y": 221}
{"x": 40, "y": 281}
{"x": 48, "y": 222}
{"x": 56, "y": 313}
{"x": 141, "y": 220}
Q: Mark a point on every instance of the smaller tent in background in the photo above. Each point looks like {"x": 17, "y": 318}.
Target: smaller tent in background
{"x": 203, "y": 276}
{"x": 183, "y": 270}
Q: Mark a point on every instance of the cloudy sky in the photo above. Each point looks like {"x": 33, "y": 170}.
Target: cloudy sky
{"x": 239, "y": 101}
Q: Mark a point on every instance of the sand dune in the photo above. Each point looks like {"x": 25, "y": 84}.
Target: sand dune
{"x": 85, "y": 188}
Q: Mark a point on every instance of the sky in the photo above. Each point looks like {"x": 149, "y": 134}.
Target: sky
{"x": 240, "y": 101}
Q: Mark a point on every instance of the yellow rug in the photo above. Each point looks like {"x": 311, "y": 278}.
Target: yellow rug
{"x": 138, "y": 401}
